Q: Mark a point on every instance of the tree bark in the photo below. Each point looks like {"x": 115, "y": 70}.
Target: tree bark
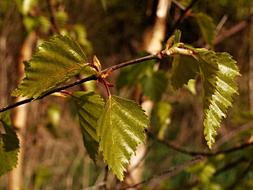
{"x": 152, "y": 43}
{"x": 154, "y": 36}
{"x": 251, "y": 61}
{"x": 19, "y": 116}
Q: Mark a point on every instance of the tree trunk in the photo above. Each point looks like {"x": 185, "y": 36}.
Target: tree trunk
{"x": 152, "y": 43}
{"x": 251, "y": 62}
{"x": 154, "y": 36}
{"x": 19, "y": 116}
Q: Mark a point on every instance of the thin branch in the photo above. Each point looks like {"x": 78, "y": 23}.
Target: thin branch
{"x": 101, "y": 184}
{"x": 233, "y": 30}
{"x": 179, "y": 5}
{"x": 230, "y": 166}
{"x": 105, "y": 178}
{"x": 198, "y": 158}
{"x": 241, "y": 176}
{"x": 131, "y": 62}
{"x": 232, "y": 134}
{"x": 92, "y": 77}
{"x": 182, "y": 16}
{"x": 170, "y": 172}
{"x": 95, "y": 187}
{"x": 220, "y": 25}
{"x": 199, "y": 153}
{"x": 53, "y": 22}
{"x": 16, "y": 104}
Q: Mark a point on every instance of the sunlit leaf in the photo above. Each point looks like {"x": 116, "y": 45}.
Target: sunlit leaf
{"x": 55, "y": 61}
{"x": 120, "y": 129}
{"x": 9, "y": 145}
{"x": 218, "y": 71}
{"x": 89, "y": 106}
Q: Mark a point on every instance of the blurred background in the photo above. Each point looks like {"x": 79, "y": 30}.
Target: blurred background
{"x": 52, "y": 153}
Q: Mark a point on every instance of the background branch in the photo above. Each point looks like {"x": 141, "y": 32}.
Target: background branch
{"x": 230, "y": 165}
{"x": 242, "y": 175}
{"x": 182, "y": 16}
{"x": 170, "y": 172}
{"x": 105, "y": 177}
{"x": 54, "y": 25}
{"x": 95, "y": 187}
{"x": 199, "y": 153}
{"x": 179, "y": 5}
{"x": 233, "y": 30}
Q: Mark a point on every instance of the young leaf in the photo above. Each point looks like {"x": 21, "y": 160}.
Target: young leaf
{"x": 184, "y": 68}
{"x": 207, "y": 27}
{"x": 9, "y": 145}
{"x": 89, "y": 106}
{"x": 120, "y": 129}
{"x": 218, "y": 71}
{"x": 55, "y": 61}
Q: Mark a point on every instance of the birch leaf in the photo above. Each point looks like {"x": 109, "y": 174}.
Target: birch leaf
{"x": 120, "y": 129}
{"x": 89, "y": 107}
{"x": 218, "y": 71}
{"x": 9, "y": 145}
{"x": 54, "y": 62}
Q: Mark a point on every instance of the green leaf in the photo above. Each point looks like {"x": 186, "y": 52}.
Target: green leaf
{"x": 184, "y": 68}
{"x": 55, "y": 61}
{"x": 207, "y": 27}
{"x": 218, "y": 71}
{"x": 89, "y": 107}
{"x": 9, "y": 145}
{"x": 154, "y": 85}
{"x": 120, "y": 129}
{"x": 177, "y": 34}
{"x": 174, "y": 39}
